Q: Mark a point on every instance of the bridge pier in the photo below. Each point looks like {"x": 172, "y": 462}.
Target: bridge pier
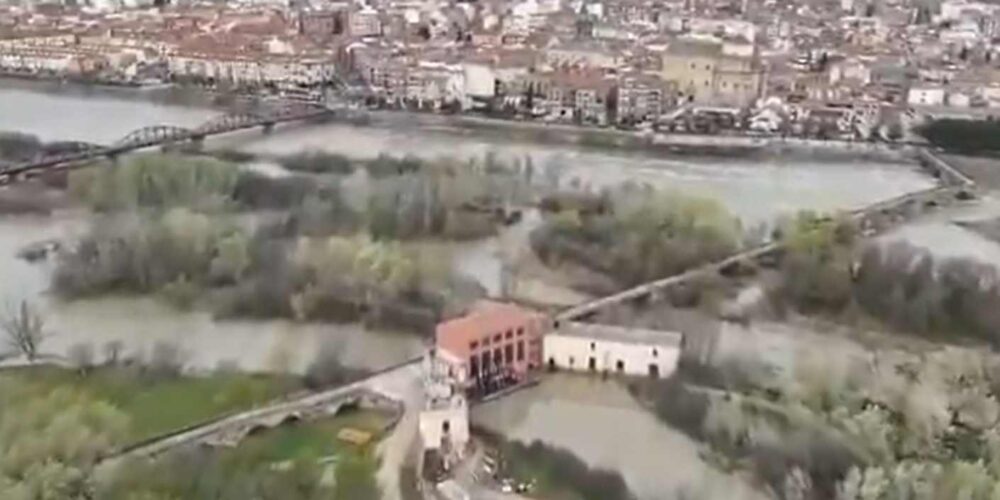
{"x": 197, "y": 142}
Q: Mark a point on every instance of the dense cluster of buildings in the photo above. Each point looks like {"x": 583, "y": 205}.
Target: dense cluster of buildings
{"x": 829, "y": 69}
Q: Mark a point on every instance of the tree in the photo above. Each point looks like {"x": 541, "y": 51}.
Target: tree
{"x": 50, "y": 440}
{"x": 642, "y": 238}
{"x": 356, "y": 479}
{"x": 24, "y": 329}
{"x": 113, "y": 351}
{"x": 815, "y": 269}
{"x": 232, "y": 258}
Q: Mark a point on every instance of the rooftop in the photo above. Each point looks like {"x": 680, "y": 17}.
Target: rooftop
{"x": 621, "y": 334}
{"x": 689, "y": 47}
{"x": 484, "y": 316}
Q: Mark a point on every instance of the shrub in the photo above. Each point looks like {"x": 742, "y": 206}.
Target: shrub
{"x": 643, "y": 238}
{"x": 158, "y": 181}
{"x": 317, "y": 162}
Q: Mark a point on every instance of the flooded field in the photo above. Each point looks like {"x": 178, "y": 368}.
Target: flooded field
{"x": 140, "y": 323}
{"x": 948, "y": 233}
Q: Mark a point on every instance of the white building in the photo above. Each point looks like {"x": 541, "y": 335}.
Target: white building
{"x": 365, "y": 22}
{"x": 480, "y": 80}
{"x": 960, "y": 99}
{"x": 239, "y": 69}
{"x": 613, "y": 349}
{"x": 926, "y": 96}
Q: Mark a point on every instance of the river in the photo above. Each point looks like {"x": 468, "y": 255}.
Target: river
{"x": 756, "y": 190}
{"x": 600, "y": 422}
{"x": 597, "y": 420}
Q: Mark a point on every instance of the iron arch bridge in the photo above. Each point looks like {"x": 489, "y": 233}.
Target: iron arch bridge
{"x": 74, "y": 154}
{"x": 151, "y": 136}
{"x": 69, "y": 147}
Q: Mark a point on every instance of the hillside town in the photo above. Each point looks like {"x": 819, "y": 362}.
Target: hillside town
{"x": 847, "y": 70}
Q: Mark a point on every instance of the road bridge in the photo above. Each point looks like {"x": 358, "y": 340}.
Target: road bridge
{"x": 78, "y": 153}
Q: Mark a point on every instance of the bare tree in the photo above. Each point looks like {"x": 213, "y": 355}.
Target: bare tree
{"x": 112, "y": 352}
{"x": 23, "y": 329}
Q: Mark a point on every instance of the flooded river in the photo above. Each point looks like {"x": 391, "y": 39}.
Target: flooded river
{"x": 599, "y": 421}
{"x": 140, "y": 323}
{"x": 756, "y": 191}
{"x": 100, "y": 116}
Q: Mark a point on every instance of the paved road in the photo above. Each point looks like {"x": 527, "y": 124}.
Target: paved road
{"x": 405, "y": 385}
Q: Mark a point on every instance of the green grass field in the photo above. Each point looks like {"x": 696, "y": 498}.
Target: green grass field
{"x": 157, "y": 405}
{"x": 312, "y": 440}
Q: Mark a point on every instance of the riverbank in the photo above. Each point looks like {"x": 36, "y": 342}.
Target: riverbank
{"x": 678, "y": 144}
{"x": 588, "y": 137}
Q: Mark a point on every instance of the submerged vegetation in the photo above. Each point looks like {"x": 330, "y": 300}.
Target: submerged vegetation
{"x": 193, "y": 259}
{"x": 883, "y": 424}
{"x": 332, "y": 256}
{"x": 158, "y": 182}
{"x": 858, "y": 422}
{"x": 640, "y": 236}
{"x": 901, "y": 286}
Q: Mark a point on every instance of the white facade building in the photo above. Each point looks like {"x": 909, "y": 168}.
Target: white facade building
{"x": 365, "y": 22}
{"x": 479, "y": 79}
{"x": 243, "y": 70}
{"x": 925, "y": 96}
{"x": 613, "y": 349}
